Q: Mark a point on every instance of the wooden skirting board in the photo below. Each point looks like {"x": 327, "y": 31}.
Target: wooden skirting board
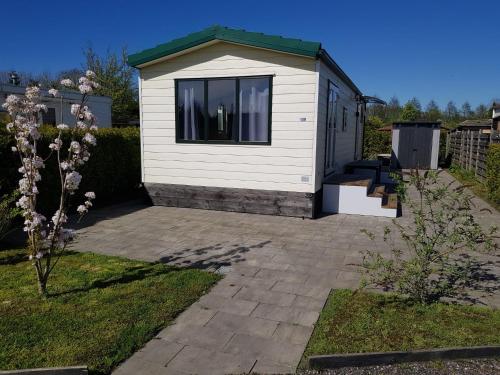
{"x": 268, "y": 202}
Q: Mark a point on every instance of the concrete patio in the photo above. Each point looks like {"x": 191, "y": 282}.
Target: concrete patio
{"x": 279, "y": 272}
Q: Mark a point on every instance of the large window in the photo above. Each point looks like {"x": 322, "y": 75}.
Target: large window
{"x": 224, "y": 110}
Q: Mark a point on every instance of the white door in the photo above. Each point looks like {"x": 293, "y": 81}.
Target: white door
{"x": 331, "y": 127}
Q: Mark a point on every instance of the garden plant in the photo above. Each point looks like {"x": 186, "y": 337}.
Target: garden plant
{"x": 48, "y": 239}
{"x": 434, "y": 255}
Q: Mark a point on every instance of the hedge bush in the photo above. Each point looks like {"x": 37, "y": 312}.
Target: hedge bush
{"x": 113, "y": 171}
{"x": 375, "y": 141}
{"x": 493, "y": 172}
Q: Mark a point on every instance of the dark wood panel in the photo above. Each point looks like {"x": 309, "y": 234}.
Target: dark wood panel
{"x": 269, "y": 202}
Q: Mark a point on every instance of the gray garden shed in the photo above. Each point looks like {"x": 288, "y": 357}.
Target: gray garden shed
{"x": 415, "y": 144}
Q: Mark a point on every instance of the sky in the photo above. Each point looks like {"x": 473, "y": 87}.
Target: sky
{"x": 431, "y": 49}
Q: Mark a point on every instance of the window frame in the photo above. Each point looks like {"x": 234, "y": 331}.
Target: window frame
{"x": 235, "y": 131}
{"x": 345, "y": 118}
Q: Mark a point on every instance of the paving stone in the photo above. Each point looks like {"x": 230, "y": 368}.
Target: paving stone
{"x": 309, "y": 303}
{"x": 134, "y": 366}
{"x": 204, "y": 337}
{"x": 293, "y": 333}
{"x": 265, "y": 366}
{"x": 315, "y": 291}
{"x": 245, "y": 270}
{"x": 238, "y": 280}
{"x": 265, "y": 296}
{"x": 229, "y": 305}
{"x": 225, "y": 289}
{"x": 158, "y": 351}
{"x": 195, "y": 315}
{"x": 291, "y": 276}
{"x": 260, "y": 347}
{"x": 346, "y": 275}
{"x": 194, "y": 360}
{"x": 263, "y": 263}
{"x": 242, "y": 324}
{"x": 286, "y": 314}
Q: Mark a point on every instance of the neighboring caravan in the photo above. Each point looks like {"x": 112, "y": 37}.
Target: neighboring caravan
{"x": 59, "y": 109}
{"x": 242, "y": 121}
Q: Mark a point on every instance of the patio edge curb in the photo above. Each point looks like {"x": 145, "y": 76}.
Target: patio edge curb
{"x": 386, "y": 358}
{"x": 71, "y": 370}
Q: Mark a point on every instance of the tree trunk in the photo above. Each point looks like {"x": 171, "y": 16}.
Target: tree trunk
{"x": 42, "y": 287}
{"x": 41, "y": 278}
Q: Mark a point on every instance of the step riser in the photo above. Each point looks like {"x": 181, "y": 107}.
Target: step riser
{"x": 353, "y": 200}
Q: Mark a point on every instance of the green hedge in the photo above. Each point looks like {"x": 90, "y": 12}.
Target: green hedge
{"x": 493, "y": 172}
{"x": 375, "y": 141}
{"x": 113, "y": 171}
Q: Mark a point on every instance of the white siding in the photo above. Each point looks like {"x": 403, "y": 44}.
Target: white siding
{"x": 100, "y": 107}
{"x": 345, "y": 140}
{"x": 280, "y": 166}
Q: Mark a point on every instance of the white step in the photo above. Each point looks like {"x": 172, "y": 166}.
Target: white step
{"x": 348, "y": 199}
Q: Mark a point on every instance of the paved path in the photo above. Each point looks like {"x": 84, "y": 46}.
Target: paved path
{"x": 279, "y": 272}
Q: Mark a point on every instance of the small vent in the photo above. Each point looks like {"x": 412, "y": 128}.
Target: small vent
{"x": 304, "y": 179}
{"x": 302, "y": 119}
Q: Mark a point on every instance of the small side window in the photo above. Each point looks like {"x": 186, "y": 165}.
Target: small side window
{"x": 49, "y": 117}
{"x": 344, "y": 119}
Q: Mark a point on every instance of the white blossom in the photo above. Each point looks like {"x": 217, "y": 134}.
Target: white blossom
{"x": 65, "y": 165}
{"x": 73, "y": 181}
{"x": 53, "y": 92}
{"x": 13, "y": 148}
{"x": 23, "y": 202}
{"x": 85, "y": 89}
{"x": 90, "y": 195}
{"x": 11, "y": 100}
{"x": 75, "y": 147}
{"x": 37, "y": 162}
{"x": 75, "y": 108}
{"x": 41, "y": 107}
{"x": 82, "y": 209}
{"x": 32, "y": 92}
{"x": 67, "y": 82}
{"x": 56, "y": 145}
{"x": 90, "y": 74}
{"x": 24, "y": 186}
{"x": 59, "y": 218}
{"x": 62, "y": 127}
{"x": 33, "y": 131}
{"x": 90, "y": 139}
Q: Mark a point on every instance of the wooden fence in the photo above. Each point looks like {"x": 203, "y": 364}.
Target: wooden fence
{"x": 468, "y": 149}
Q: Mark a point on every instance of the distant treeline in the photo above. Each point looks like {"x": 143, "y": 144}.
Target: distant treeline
{"x": 413, "y": 110}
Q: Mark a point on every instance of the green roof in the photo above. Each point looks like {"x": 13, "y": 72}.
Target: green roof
{"x": 273, "y": 42}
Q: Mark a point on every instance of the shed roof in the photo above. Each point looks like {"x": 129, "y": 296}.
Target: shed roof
{"x": 239, "y": 36}
{"x": 482, "y": 123}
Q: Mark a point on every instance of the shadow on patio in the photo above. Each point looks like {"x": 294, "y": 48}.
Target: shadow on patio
{"x": 211, "y": 257}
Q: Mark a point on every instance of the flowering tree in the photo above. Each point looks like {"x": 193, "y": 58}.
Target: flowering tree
{"x": 47, "y": 240}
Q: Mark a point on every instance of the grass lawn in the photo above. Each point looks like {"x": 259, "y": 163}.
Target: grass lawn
{"x": 476, "y": 186}
{"x": 100, "y": 310}
{"x": 368, "y": 322}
